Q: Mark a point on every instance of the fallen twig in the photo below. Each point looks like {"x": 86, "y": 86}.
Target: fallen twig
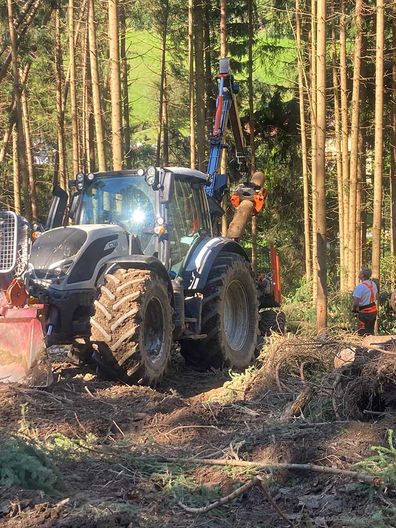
{"x": 255, "y": 481}
{"x": 278, "y": 466}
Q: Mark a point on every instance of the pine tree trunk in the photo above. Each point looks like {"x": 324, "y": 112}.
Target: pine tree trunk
{"x": 15, "y": 172}
{"x": 62, "y": 175}
{"x": 73, "y": 89}
{"x": 209, "y": 94}
{"x": 191, "y": 81}
{"x": 344, "y": 134}
{"x": 125, "y": 89}
{"x": 29, "y": 157}
{"x": 96, "y": 97}
{"x": 393, "y": 149}
{"x": 115, "y": 85}
{"x": 199, "y": 84}
{"x": 321, "y": 305}
{"x": 379, "y": 135}
{"x": 304, "y": 149}
{"x": 21, "y": 154}
{"x": 164, "y": 23}
{"x": 251, "y": 125}
{"x": 314, "y": 152}
{"x": 165, "y": 124}
{"x": 353, "y": 171}
{"x": 224, "y": 155}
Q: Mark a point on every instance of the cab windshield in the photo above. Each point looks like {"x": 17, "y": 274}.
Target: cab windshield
{"x": 124, "y": 200}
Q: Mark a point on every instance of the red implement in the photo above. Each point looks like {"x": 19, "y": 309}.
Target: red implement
{"x": 23, "y": 357}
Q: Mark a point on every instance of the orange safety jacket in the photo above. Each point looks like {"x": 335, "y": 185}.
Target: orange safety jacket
{"x": 372, "y": 307}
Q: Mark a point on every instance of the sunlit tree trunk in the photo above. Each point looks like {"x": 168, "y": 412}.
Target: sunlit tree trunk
{"x": 304, "y": 148}
{"x": 338, "y": 141}
{"x": 21, "y": 154}
{"x": 29, "y": 157}
{"x": 353, "y": 171}
{"x": 191, "y": 81}
{"x": 165, "y": 124}
{"x": 344, "y": 133}
{"x": 115, "y": 85}
{"x": 164, "y": 24}
{"x": 393, "y": 148}
{"x": 379, "y": 135}
{"x": 209, "y": 92}
{"x": 199, "y": 84}
{"x": 321, "y": 304}
{"x": 62, "y": 175}
{"x": 96, "y": 97}
{"x": 251, "y": 124}
{"x": 125, "y": 88}
{"x": 73, "y": 89}
{"x": 224, "y": 156}
{"x": 15, "y": 172}
{"x": 313, "y": 105}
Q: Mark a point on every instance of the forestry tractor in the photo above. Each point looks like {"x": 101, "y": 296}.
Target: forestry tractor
{"x": 132, "y": 264}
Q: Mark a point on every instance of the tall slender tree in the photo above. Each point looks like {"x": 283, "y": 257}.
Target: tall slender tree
{"x": 313, "y": 108}
{"x": 304, "y": 148}
{"x": 115, "y": 85}
{"x": 393, "y": 149}
{"x": 199, "y": 83}
{"x": 62, "y": 172}
{"x": 321, "y": 305}
{"x": 379, "y": 135}
{"x": 191, "y": 83}
{"x": 73, "y": 89}
{"x": 164, "y": 15}
{"x": 96, "y": 97}
{"x": 125, "y": 86}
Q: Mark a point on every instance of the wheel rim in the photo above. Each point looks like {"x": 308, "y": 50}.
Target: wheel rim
{"x": 236, "y": 315}
{"x": 153, "y": 335}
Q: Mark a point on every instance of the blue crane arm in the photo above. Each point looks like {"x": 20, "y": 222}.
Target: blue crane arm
{"x": 226, "y": 113}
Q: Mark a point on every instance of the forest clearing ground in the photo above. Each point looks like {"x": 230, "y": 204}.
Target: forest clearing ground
{"x": 103, "y": 441}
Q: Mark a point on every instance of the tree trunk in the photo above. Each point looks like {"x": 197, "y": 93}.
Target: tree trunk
{"x": 393, "y": 149}
{"x": 224, "y": 155}
{"x": 12, "y": 115}
{"x": 379, "y": 135}
{"x": 165, "y": 124}
{"x": 210, "y": 106}
{"x": 59, "y": 102}
{"x": 29, "y": 157}
{"x": 353, "y": 171}
{"x": 251, "y": 125}
{"x": 164, "y": 23}
{"x": 96, "y": 98}
{"x": 321, "y": 305}
{"x": 125, "y": 89}
{"x": 199, "y": 84}
{"x": 314, "y": 152}
{"x": 115, "y": 85}
{"x": 304, "y": 150}
{"x": 73, "y": 90}
{"x": 15, "y": 172}
{"x": 21, "y": 155}
{"x": 338, "y": 140}
{"x": 191, "y": 81}
{"x": 344, "y": 134}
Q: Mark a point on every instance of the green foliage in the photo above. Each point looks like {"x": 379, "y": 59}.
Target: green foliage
{"x": 383, "y": 462}
{"x": 385, "y": 518}
{"x": 24, "y": 465}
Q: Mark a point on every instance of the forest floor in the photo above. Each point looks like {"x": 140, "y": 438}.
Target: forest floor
{"x": 95, "y": 447}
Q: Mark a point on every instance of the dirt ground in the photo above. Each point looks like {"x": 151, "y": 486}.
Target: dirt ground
{"x": 103, "y": 441}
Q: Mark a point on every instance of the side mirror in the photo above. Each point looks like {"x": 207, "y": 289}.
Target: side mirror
{"x": 74, "y": 204}
{"x": 57, "y": 210}
{"x": 168, "y": 185}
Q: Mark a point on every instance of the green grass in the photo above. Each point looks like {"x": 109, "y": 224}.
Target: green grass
{"x": 274, "y": 66}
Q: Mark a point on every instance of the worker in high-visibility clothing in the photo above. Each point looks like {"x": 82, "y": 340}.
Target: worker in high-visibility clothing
{"x": 364, "y": 302}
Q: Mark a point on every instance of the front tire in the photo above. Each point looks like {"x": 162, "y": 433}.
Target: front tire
{"x": 229, "y": 317}
{"x": 132, "y": 326}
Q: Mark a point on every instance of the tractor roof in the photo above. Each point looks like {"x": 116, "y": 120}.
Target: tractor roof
{"x": 182, "y": 171}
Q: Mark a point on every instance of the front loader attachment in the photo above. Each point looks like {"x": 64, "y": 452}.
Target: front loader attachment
{"x": 23, "y": 357}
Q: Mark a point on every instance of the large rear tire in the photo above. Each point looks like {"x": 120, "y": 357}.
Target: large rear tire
{"x": 229, "y": 317}
{"x": 132, "y": 326}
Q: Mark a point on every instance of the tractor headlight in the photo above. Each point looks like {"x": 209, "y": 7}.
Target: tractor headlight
{"x": 151, "y": 176}
{"x": 80, "y": 177}
{"x": 60, "y": 268}
{"x": 80, "y": 186}
{"x": 91, "y": 176}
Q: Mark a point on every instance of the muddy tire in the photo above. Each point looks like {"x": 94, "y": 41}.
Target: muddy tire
{"x": 272, "y": 322}
{"x": 132, "y": 326}
{"x": 229, "y": 317}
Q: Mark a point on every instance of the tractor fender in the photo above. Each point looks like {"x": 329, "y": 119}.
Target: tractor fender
{"x": 203, "y": 257}
{"x": 143, "y": 262}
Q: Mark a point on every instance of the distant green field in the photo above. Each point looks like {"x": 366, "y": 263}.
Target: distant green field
{"x": 274, "y": 65}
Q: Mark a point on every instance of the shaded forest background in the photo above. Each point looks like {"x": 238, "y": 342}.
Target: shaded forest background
{"x": 99, "y": 85}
